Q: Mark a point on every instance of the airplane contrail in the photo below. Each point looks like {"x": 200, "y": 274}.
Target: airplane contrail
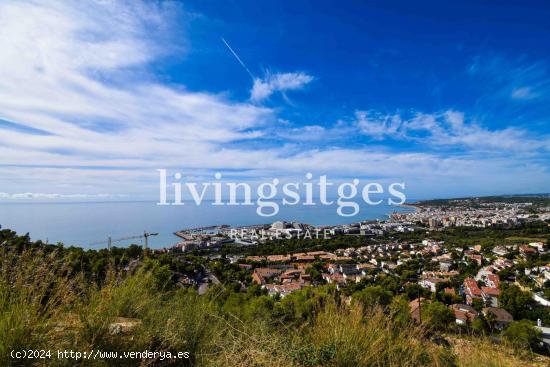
{"x": 239, "y": 59}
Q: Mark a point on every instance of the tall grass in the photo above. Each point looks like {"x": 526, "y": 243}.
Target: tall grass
{"x": 34, "y": 294}
{"x": 473, "y": 352}
{"x": 372, "y": 339}
{"x": 43, "y": 305}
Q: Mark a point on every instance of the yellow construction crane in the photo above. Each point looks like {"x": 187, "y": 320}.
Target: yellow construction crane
{"x": 110, "y": 241}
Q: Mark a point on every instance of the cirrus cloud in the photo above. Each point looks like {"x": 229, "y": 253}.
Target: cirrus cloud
{"x": 278, "y": 82}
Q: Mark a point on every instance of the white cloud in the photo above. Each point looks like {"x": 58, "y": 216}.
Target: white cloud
{"x": 317, "y": 133}
{"x": 49, "y": 196}
{"x": 508, "y": 78}
{"x": 278, "y": 82}
{"x": 523, "y": 93}
{"x": 447, "y": 128}
{"x": 69, "y": 69}
{"x": 378, "y": 126}
{"x": 59, "y": 61}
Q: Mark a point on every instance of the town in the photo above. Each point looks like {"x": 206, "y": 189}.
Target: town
{"x": 427, "y": 254}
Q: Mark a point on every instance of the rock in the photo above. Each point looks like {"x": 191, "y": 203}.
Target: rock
{"x": 123, "y": 325}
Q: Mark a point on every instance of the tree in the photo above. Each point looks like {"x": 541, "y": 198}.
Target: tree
{"x": 522, "y": 334}
{"x": 315, "y": 271}
{"x": 400, "y": 310}
{"x": 413, "y": 291}
{"x": 480, "y": 325}
{"x": 437, "y": 315}
{"x": 477, "y": 304}
{"x": 373, "y": 296}
{"x": 259, "y": 308}
{"x": 448, "y": 299}
{"x": 515, "y": 301}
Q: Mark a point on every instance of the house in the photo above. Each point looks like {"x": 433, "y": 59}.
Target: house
{"x": 526, "y": 250}
{"x": 304, "y": 258}
{"x": 261, "y": 275}
{"x": 327, "y": 256}
{"x": 502, "y": 263}
{"x": 342, "y": 258}
{"x": 333, "y": 268}
{"x": 431, "y": 283}
{"x": 492, "y": 280}
{"x": 476, "y": 258}
{"x": 321, "y": 254}
{"x": 334, "y": 278}
{"x": 464, "y": 313}
{"x": 490, "y": 296}
{"x": 471, "y": 290}
{"x": 278, "y": 258}
{"x": 365, "y": 267}
{"x": 304, "y": 278}
{"x": 351, "y": 273}
{"x": 445, "y": 266}
{"x": 348, "y": 269}
{"x": 499, "y": 317}
{"x": 415, "y": 306}
{"x": 540, "y": 246}
{"x": 290, "y": 275}
{"x": 282, "y": 289}
{"x": 500, "y": 250}
{"x": 484, "y": 272}
{"x": 447, "y": 275}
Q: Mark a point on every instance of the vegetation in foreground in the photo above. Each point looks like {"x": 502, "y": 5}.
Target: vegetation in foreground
{"x": 47, "y": 303}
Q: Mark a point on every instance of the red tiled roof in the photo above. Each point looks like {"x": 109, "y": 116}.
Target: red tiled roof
{"x": 464, "y": 312}
{"x": 304, "y": 257}
{"x": 494, "y": 278}
{"x": 471, "y": 288}
{"x": 278, "y": 258}
{"x": 527, "y": 249}
{"x": 495, "y": 292}
{"x": 267, "y": 272}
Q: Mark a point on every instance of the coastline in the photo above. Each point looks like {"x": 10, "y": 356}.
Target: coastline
{"x": 79, "y": 224}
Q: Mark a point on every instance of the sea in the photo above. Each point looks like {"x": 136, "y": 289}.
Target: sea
{"x": 90, "y": 224}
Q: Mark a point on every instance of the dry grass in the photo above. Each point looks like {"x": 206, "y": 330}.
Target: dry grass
{"x": 482, "y": 352}
{"x": 373, "y": 340}
{"x": 255, "y": 344}
{"x": 43, "y": 308}
{"x": 34, "y": 296}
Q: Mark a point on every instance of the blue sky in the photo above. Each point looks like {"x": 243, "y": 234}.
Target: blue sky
{"x": 452, "y": 99}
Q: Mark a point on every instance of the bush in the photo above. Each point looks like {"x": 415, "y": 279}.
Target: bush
{"x": 437, "y": 316}
{"x": 371, "y": 339}
{"x": 522, "y": 334}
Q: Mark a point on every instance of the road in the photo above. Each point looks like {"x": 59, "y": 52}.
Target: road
{"x": 206, "y": 280}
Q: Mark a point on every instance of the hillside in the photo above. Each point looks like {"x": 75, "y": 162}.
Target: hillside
{"x": 48, "y": 304}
